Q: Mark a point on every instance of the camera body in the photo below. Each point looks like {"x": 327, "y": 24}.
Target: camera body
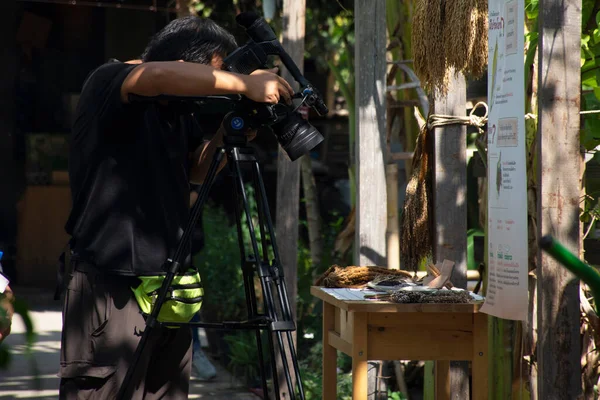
{"x": 293, "y": 133}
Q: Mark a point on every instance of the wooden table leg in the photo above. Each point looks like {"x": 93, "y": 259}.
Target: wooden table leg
{"x": 441, "y": 373}
{"x": 480, "y": 356}
{"x": 329, "y": 354}
{"x": 359, "y": 357}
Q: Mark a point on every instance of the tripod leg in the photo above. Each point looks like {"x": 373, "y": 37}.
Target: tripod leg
{"x": 262, "y": 223}
{"x": 261, "y": 218}
{"x": 248, "y": 274}
{"x": 279, "y": 278}
{"x": 263, "y": 273}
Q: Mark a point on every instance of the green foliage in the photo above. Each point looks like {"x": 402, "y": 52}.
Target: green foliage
{"x": 308, "y": 308}
{"x": 224, "y": 299}
{"x": 590, "y": 76}
{"x": 589, "y": 211}
{"x": 22, "y": 311}
{"x": 201, "y": 8}
{"x": 219, "y": 266}
{"x": 330, "y": 42}
{"x": 590, "y": 130}
{"x": 309, "y": 313}
{"x": 219, "y": 262}
{"x": 312, "y": 374}
{"x": 590, "y": 65}
{"x": 243, "y": 355}
{"x": 396, "y": 396}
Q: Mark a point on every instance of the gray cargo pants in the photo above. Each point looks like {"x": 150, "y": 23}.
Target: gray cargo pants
{"x": 102, "y": 326}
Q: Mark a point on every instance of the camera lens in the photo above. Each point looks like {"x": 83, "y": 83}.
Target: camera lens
{"x": 296, "y": 135}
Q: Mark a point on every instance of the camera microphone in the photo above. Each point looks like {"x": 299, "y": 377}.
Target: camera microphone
{"x": 262, "y": 35}
{"x": 256, "y": 27}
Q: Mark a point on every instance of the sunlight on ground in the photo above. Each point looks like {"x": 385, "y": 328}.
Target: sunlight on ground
{"x": 49, "y": 394}
{"x": 18, "y": 382}
{"x": 22, "y": 387}
{"x": 52, "y": 346}
{"x": 43, "y": 321}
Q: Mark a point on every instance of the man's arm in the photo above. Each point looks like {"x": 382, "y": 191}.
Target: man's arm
{"x": 191, "y": 79}
{"x": 202, "y": 157}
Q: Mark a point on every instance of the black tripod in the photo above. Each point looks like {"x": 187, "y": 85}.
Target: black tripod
{"x": 276, "y": 317}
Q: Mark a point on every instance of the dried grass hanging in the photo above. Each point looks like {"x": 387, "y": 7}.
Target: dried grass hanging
{"x": 428, "y": 45}
{"x": 449, "y": 36}
{"x": 478, "y": 54}
{"x": 416, "y": 228}
{"x": 458, "y": 38}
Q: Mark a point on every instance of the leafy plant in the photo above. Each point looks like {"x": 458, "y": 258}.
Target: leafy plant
{"x": 590, "y": 64}
{"x": 308, "y": 308}
{"x": 243, "y": 356}
{"x": 219, "y": 262}
{"x": 312, "y": 374}
{"x": 22, "y": 311}
{"x": 330, "y": 42}
{"x": 219, "y": 266}
{"x": 396, "y": 396}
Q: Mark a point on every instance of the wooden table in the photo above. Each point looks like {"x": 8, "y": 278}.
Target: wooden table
{"x": 376, "y": 330}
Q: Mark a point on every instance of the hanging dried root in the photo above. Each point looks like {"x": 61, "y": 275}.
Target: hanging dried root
{"x": 416, "y": 229}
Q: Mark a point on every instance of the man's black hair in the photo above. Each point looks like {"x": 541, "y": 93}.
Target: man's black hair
{"x": 191, "y": 39}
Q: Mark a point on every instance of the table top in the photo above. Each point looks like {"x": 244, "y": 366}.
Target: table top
{"x": 353, "y": 300}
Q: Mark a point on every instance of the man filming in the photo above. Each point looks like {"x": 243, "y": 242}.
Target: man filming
{"x": 130, "y": 172}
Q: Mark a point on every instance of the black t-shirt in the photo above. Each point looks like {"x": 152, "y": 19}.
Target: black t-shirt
{"x": 128, "y": 172}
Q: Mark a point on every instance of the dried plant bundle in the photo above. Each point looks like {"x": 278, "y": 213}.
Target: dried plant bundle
{"x": 416, "y": 220}
{"x": 441, "y": 296}
{"x": 449, "y": 36}
{"x": 356, "y": 277}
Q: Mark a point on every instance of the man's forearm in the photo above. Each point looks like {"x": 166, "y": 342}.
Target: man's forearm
{"x": 181, "y": 79}
{"x": 203, "y": 157}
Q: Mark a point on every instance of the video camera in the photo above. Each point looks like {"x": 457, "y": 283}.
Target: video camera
{"x": 295, "y": 135}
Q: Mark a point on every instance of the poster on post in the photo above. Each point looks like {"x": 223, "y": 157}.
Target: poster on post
{"x": 507, "y": 286}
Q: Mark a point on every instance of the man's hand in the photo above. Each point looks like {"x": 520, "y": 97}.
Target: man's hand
{"x": 250, "y": 134}
{"x": 6, "y": 312}
{"x": 265, "y": 86}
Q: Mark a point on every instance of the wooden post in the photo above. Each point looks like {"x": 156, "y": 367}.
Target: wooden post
{"x": 370, "y": 141}
{"x": 450, "y": 204}
{"x": 559, "y": 163}
{"x": 370, "y": 67}
{"x": 288, "y": 173}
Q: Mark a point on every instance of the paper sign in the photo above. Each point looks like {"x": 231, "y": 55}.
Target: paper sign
{"x": 507, "y": 286}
